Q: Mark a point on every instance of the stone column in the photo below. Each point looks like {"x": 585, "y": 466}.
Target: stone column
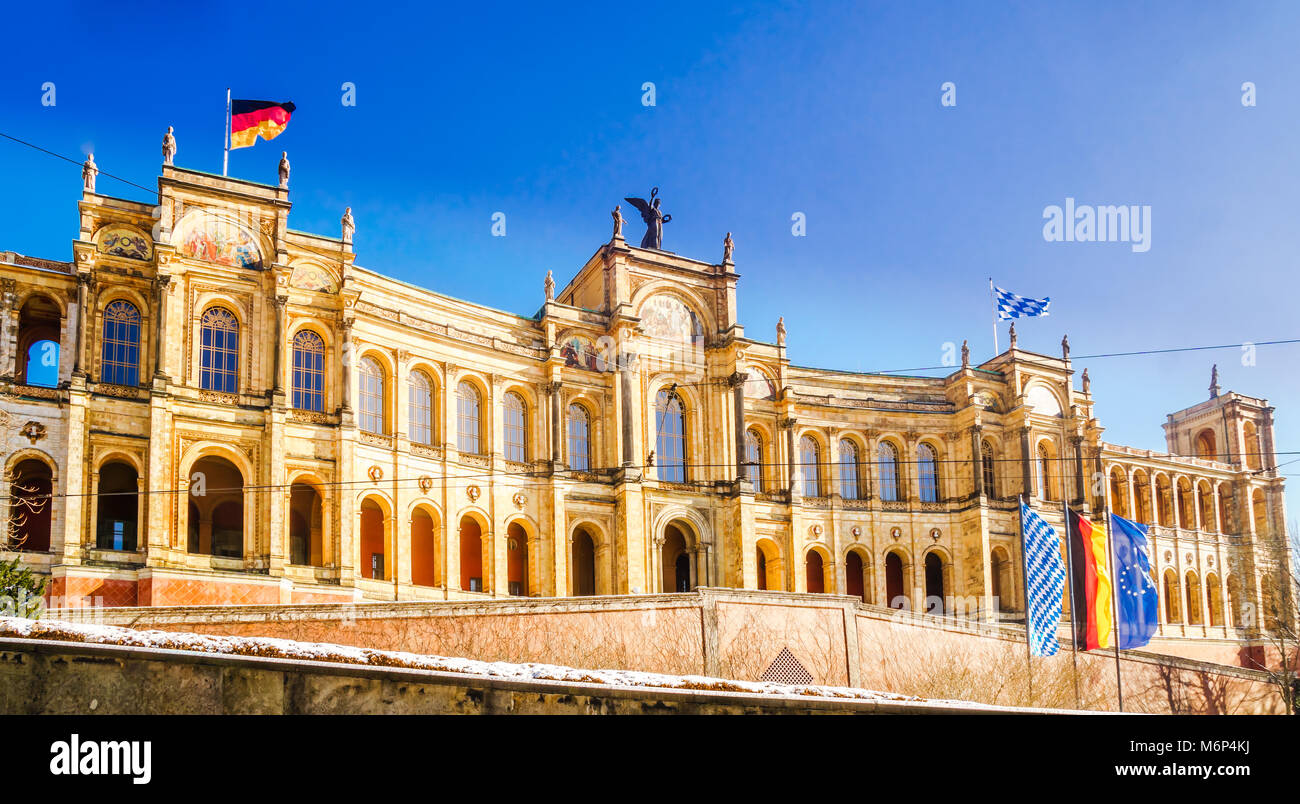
{"x": 977, "y": 461}
{"x": 281, "y": 328}
{"x": 791, "y": 457}
{"x": 555, "y": 391}
{"x": 83, "y": 288}
{"x": 1077, "y": 442}
{"x": 345, "y": 363}
{"x": 8, "y": 296}
{"x": 1025, "y": 469}
{"x": 160, "y": 284}
{"x": 1269, "y": 462}
{"x": 626, "y": 378}
{"x": 738, "y": 401}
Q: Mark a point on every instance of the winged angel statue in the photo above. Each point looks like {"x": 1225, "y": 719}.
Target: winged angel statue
{"x": 654, "y": 220}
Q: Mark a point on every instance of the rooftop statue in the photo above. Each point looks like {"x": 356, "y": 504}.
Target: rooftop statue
{"x": 654, "y": 220}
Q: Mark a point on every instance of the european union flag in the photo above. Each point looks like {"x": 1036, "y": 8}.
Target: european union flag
{"x": 1136, "y": 591}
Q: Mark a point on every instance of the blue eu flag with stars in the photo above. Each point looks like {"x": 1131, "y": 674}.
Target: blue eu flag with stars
{"x": 1137, "y": 595}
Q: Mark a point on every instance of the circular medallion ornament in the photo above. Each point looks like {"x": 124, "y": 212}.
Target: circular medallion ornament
{"x": 426, "y": 483}
{"x": 896, "y": 533}
{"x": 1209, "y": 561}
{"x": 473, "y": 492}
{"x": 935, "y": 534}
{"x": 1188, "y": 557}
{"x": 857, "y": 531}
{"x": 1169, "y": 556}
{"x": 376, "y": 473}
{"x": 816, "y": 531}
{"x": 519, "y": 499}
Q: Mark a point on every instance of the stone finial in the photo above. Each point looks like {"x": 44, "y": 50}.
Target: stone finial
{"x": 1087, "y": 383}
{"x": 89, "y": 170}
{"x": 550, "y": 286}
{"x": 169, "y": 146}
{"x": 1214, "y": 381}
{"x": 965, "y": 355}
{"x": 349, "y": 226}
{"x": 1012, "y": 334}
{"x": 728, "y": 245}
{"x": 1065, "y": 348}
{"x": 284, "y": 170}
{"x": 780, "y": 331}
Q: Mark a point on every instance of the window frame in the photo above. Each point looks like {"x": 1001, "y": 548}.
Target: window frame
{"x": 121, "y": 366}
{"x": 219, "y": 342}
{"x": 313, "y": 392}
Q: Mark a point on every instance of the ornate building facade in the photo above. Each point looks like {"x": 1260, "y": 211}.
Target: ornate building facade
{"x": 225, "y": 410}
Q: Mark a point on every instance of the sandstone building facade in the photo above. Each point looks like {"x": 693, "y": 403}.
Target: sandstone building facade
{"x": 226, "y": 410}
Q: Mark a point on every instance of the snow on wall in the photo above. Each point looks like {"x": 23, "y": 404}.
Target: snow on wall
{"x": 325, "y": 652}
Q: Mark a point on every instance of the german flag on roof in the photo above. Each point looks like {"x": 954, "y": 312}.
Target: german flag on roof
{"x": 251, "y": 118}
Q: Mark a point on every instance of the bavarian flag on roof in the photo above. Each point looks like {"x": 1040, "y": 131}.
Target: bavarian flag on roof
{"x": 252, "y": 118}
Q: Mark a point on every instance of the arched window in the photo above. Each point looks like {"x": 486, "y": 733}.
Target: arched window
{"x": 887, "y": 460}
{"x": 988, "y": 470}
{"x": 468, "y": 420}
{"x": 308, "y": 371}
{"x": 121, "y": 348}
{"x": 810, "y": 467}
{"x": 849, "y": 484}
{"x": 372, "y": 396}
{"x": 927, "y": 468}
{"x": 579, "y": 438}
{"x": 754, "y": 458}
{"x": 514, "y": 428}
{"x": 420, "y": 404}
{"x": 219, "y": 351}
{"x": 670, "y": 439}
{"x": 1044, "y": 472}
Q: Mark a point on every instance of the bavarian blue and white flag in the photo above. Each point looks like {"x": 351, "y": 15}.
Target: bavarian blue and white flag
{"x": 1013, "y": 305}
{"x": 1044, "y": 581}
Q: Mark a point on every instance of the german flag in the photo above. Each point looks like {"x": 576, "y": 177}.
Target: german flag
{"x": 251, "y": 118}
{"x": 1092, "y": 582}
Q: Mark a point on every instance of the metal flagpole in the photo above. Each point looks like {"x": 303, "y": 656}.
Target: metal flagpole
{"x": 994, "y": 301}
{"x": 225, "y": 159}
{"x": 1024, "y": 594}
{"x": 1114, "y": 590}
{"x": 1069, "y": 577}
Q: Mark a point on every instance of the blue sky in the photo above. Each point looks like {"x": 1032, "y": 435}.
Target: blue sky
{"x": 762, "y": 110}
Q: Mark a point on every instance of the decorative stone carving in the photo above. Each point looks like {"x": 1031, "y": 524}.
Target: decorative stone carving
{"x": 856, "y": 530}
{"x": 519, "y": 499}
{"x": 284, "y": 170}
{"x": 473, "y": 492}
{"x": 349, "y": 226}
{"x": 375, "y": 472}
{"x": 33, "y": 431}
{"x": 896, "y": 533}
{"x": 425, "y": 482}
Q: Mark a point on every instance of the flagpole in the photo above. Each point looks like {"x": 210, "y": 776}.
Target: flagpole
{"x": 1069, "y": 578}
{"x": 1024, "y": 596}
{"x": 225, "y": 159}
{"x": 1114, "y": 584}
{"x": 994, "y": 301}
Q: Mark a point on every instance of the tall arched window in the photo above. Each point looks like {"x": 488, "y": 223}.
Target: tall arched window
{"x": 579, "y": 438}
{"x": 372, "y": 396}
{"x": 670, "y": 438}
{"x": 887, "y": 460}
{"x": 219, "y": 351}
{"x": 308, "y": 371}
{"x": 986, "y": 466}
{"x": 754, "y": 458}
{"x": 468, "y": 420}
{"x": 849, "y": 484}
{"x": 927, "y": 469}
{"x": 514, "y": 428}
{"x": 121, "y": 348}
{"x": 1044, "y": 472}
{"x": 420, "y": 404}
{"x": 810, "y": 466}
